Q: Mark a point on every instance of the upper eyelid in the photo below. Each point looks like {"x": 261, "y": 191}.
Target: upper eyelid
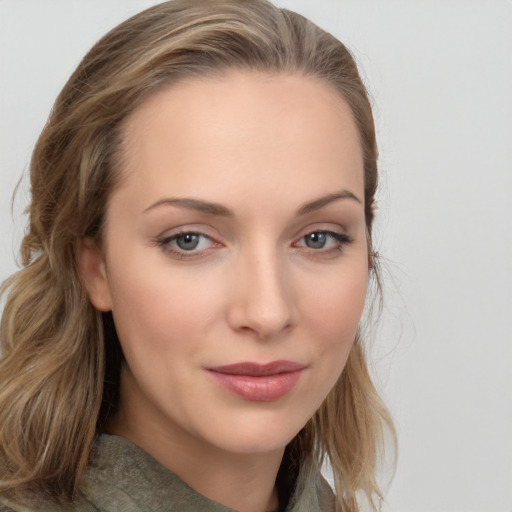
{"x": 323, "y": 227}
{"x": 183, "y": 230}
{"x": 174, "y": 236}
{"x": 301, "y": 234}
{"x": 186, "y": 232}
{"x": 325, "y": 231}
{"x": 225, "y": 238}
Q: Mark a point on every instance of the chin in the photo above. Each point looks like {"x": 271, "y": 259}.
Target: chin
{"x": 254, "y": 434}
{"x": 252, "y": 445}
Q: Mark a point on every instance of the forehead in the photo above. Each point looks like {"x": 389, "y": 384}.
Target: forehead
{"x": 245, "y": 129}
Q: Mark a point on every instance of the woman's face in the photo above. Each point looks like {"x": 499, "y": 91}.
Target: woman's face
{"x": 234, "y": 259}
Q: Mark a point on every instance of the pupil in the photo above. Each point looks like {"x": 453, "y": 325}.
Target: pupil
{"x": 316, "y": 240}
{"x": 187, "y": 242}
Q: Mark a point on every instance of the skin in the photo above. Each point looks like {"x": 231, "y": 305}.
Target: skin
{"x": 262, "y": 146}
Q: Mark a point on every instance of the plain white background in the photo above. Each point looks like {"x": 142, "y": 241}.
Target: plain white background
{"x": 440, "y": 75}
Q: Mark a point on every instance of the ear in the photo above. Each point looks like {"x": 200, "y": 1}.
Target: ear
{"x": 91, "y": 266}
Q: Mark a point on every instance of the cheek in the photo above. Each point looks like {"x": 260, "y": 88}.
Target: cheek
{"x": 156, "y": 309}
{"x": 333, "y": 314}
{"x": 336, "y": 307}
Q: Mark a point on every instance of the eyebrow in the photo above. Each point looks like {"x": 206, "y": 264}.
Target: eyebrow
{"x": 325, "y": 200}
{"x": 221, "y": 211}
{"x": 194, "y": 204}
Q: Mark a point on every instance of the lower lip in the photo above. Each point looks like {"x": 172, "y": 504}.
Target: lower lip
{"x": 258, "y": 389}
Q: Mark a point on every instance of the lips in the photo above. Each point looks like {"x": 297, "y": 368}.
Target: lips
{"x": 258, "y": 382}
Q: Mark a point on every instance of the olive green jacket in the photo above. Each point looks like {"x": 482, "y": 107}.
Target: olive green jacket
{"x": 124, "y": 478}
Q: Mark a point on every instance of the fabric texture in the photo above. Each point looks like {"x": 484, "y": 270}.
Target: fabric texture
{"x": 124, "y": 478}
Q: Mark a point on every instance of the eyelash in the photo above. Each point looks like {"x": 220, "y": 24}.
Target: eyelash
{"x": 341, "y": 240}
{"x": 165, "y": 244}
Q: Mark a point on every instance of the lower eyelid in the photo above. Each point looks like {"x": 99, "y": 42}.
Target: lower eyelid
{"x": 167, "y": 244}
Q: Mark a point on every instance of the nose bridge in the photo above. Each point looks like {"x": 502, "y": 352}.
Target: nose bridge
{"x": 263, "y": 302}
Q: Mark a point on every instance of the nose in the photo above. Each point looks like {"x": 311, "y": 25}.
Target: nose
{"x": 262, "y": 301}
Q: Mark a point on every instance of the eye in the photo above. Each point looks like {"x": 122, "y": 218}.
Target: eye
{"x": 187, "y": 241}
{"x": 186, "y": 244}
{"x": 316, "y": 240}
{"x": 324, "y": 241}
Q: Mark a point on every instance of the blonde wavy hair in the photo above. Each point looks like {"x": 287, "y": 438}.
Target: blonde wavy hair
{"x": 61, "y": 359}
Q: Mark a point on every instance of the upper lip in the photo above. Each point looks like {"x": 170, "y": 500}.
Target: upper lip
{"x": 258, "y": 369}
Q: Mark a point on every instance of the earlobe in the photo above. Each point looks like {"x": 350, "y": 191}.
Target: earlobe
{"x": 91, "y": 266}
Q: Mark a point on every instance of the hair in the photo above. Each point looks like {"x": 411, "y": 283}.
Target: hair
{"x": 59, "y": 372}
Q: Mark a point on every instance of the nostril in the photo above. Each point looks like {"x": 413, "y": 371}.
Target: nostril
{"x": 263, "y": 323}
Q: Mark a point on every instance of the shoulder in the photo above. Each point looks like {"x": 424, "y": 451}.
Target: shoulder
{"x": 80, "y": 506}
{"x": 312, "y": 492}
{"x": 7, "y": 506}
{"x": 122, "y": 476}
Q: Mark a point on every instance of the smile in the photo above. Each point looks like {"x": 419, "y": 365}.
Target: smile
{"x": 257, "y": 382}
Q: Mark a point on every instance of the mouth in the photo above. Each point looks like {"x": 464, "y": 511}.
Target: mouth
{"x": 258, "y": 382}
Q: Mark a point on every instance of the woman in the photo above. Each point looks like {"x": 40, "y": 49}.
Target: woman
{"x": 184, "y": 334}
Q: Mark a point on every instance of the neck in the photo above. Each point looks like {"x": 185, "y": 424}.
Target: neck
{"x": 244, "y": 482}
